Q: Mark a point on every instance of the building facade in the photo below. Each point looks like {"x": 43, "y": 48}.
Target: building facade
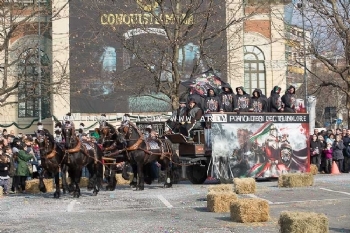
{"x": 256, "y": 58}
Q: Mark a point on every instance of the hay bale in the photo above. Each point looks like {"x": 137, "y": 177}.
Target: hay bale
{"x": 122, "y": 181}
{"x": 313, "y": 169}
{"x": 221, "y": 188}
{"x": 32, "y": 186}
{"x": 219, "y": 202}
{"x": 295, "y": 180}
{"x": 303, "y": 222}
{"x": 244, "y": 185}
{"x": 250, "y": 210}
{"x": 1, "y": 191}
{"x": 84, "y": 181}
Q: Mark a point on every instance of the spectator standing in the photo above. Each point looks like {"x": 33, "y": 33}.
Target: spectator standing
{"x": 4, "y": 171}
{"x": 346, "y": 151}
{"x": 327, "y": 154}
{"x": 315, "y": 148}
{"x": 338, "y": 156}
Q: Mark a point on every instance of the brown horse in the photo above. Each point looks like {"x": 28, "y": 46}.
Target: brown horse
{"x": 79, "y": 156}
{"x": 142, "y": 152}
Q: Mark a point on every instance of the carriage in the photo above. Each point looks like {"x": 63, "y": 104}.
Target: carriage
{"x": 234, "y": 144}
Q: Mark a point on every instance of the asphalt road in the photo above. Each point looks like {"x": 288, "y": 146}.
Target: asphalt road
{"x": 179, "y": 209}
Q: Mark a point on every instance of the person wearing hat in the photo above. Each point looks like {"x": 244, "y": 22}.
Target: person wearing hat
{"x": 275, "y": 101}
{"x": 149, "y": 133}
{"x": 68, "y": 122}
{"x": 22, "y": 171}
{"x": 195, "y": 114}
{"x": 40, "y": 127}
{"x": 81, "y": 130}
{"x": 178, "y": 117}
{"x": 125, "y": 119}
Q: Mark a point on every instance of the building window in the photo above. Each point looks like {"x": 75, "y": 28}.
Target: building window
{"x": 31, "y": 83}
{"x": 254, "y": 69}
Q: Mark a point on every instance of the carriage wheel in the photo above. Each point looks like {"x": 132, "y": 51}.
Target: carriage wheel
{"x": 197, "y": 174}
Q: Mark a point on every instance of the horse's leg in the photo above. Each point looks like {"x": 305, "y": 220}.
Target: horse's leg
{"x": 77, "y": 176}
{"x": 42, "y": 187}
{"x": 141, "y": 179}
{"x": 64, "y": 178}
{"x": 112, "y": 179}
{"x": 92, "y": 176}
{"x": 57, "y": 183}
{"x": 168, "y": 180}
{"x": 133, "y": 183}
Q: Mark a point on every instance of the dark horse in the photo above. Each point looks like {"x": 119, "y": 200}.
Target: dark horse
{"x": 52, "y": 160}
{"x": 79, "y": 156}
{"x": 142, "y": 152}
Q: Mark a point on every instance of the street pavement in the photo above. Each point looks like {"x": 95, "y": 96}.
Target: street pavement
{"x": 178, "y": 209}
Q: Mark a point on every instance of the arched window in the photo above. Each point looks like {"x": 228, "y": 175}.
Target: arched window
{"x": 254, "y": 69}
{"x": 31, "y": 83}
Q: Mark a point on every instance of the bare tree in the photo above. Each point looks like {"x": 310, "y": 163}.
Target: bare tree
{"x": 162, "y": 42}
{"x": 26, "y": 69}
{"x": 329, "y": 23}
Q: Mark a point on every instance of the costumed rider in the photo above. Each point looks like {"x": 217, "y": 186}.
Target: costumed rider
{"x": 178, "y": 118}
{"x": 195, "y": 114}
{"x": 81, "y": 130}
{"x": 58, "y": 133}
{"x": 227, "y": 98}
{"x": 67, "y": 122}
{"x": 125, "y": 119}
{"x": 289, "y": 99}
{"x": 259, "y": 101}
{"x": 103, "y": 121}
{"x": 243, "y": 101}
{"x": 212, "y": 102}
{"x": 275, "y": 101}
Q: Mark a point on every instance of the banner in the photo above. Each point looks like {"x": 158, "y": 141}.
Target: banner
{"x": 119, "y": 52}
{"x": 260, "y": 146}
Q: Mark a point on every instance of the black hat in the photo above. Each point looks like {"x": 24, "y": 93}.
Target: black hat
{"x": 69, "y": 114}
{"x": 58, "y": 124}
{"x": 103, "y": 114}
{"x": 4, "y": 130}
{"x": 182, "y": 101}
{"x": 127, "y": 114}
{"x": 57, "y": 131}
{"x": 39, "y": 123}
{"x": 192, "y": 101}
{"x": 82, "y": 124}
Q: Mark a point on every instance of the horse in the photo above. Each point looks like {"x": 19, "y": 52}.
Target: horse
{"x": 80, "y": 155}
{"x": 142, "y": 152}
{"x": 52, "y": 160}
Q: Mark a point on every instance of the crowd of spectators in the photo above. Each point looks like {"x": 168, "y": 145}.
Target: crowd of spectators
{"x": 329, "y": 146}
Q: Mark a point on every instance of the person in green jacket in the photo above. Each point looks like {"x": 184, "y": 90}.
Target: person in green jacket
{"x": 22, "y": 171}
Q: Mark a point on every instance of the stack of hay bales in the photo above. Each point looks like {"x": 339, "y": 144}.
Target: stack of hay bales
{"x": 244, "y": 185}
{"x": 250, "y": 210}
{"x": 120, "y": 180}
{"x": 32, "y": 186}
{"x": 219, "y": 198}
{"x": 303, "y": 222}
{"x": 313, "y": 169}
{"x": 295, "y": 180}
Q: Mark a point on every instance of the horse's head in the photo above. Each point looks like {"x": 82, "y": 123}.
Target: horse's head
{"x": 45, "y": 142}
{"x": 69, "y": 137}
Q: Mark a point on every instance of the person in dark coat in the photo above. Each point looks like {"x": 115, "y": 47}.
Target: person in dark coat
{"x": 259, "y": 101}
{"x": 227, "y": 98}
{"x": 195, "y": 113}
{"x": 338, "y": 147}
{"x": 212, "y": 102}
{"x": 198, "y": 98}
{"x": 315, "y": 149}
{"x": 178, "y": 117}
{"x": 243, "y": 101}
{"x": 288, "y": 100}
{"x": 275, "y": 102}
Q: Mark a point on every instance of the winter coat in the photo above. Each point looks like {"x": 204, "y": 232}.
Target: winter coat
{"x": 338, "y": 150}
{"x": 275, "y": 102}
{"x": 288, "y": 99}
{"x": 22, "y": 167}
{"x": 328, "y": 154}
{"x": 315, "y": 148}
{"x": 227, "y": 100}
{"x": 259, "y": 104}
{"x": 243, "y": 102}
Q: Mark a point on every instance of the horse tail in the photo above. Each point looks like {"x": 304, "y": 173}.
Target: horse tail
{"x": 99, "y": 166}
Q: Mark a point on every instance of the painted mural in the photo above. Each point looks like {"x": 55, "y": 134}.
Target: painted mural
{"x": 260, "y": 146}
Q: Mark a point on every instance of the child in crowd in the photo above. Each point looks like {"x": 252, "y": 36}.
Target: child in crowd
{"x": 327, "y": 153}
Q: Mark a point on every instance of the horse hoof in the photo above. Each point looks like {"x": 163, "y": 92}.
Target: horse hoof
{"x": 94, "y": 194}
{"x": 167, "y": 185}
{"x": 56, "y": 195}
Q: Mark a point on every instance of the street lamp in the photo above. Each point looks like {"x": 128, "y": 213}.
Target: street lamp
{"x": 300, "y": 5}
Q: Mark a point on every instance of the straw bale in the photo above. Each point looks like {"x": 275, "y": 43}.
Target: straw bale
{"x": 84, "y": 182}
{"x": 303, "y": 222}
{"x": 219, "y": 202}
{"x": 295, "y": 180}
{"x": 244, "y": 185}
{"x": 221, "y": 188}
{"x": 122, "y": 181}
{"x": 313, "y": 169}
{"x": 32, "y": 186}
{"x": 1, "y": 191}
{"x": 250, "y": 210}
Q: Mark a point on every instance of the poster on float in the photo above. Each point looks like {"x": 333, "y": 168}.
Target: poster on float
{"x": 260, "y": 146}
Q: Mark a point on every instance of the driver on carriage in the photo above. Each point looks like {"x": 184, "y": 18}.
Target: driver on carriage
{"x": 149, "y": 133}
{"x": 67, "y": 122}
{"x": 125, "y": 119}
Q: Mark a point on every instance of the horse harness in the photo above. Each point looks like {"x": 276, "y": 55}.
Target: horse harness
{"x": 80, "y": 147}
